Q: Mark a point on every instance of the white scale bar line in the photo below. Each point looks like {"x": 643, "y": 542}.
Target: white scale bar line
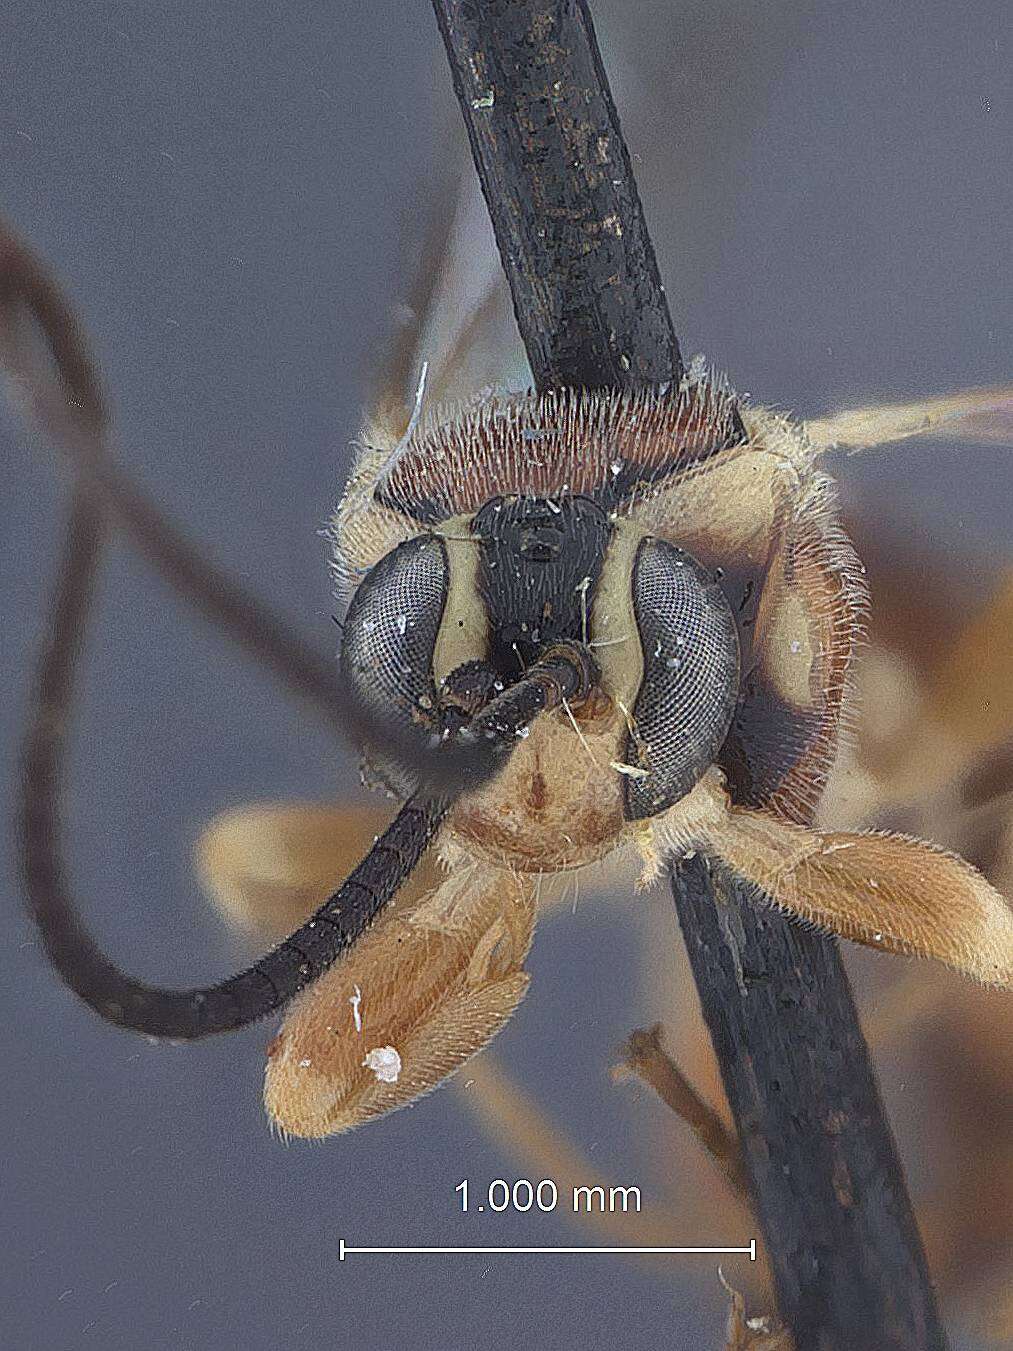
{"x": 346, "y": 1248}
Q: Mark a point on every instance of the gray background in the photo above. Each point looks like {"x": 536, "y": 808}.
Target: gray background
{"x": 225, "y": 192}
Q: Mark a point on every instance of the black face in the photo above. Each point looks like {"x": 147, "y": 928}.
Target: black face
{"x": 540, "y": 563}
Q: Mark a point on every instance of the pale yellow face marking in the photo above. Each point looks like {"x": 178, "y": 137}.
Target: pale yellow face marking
{"x": 434, "y": 980}
{"x": 614, "y": 635}
{"x": 464, "y": 632}
{"x": 558, "y": 803}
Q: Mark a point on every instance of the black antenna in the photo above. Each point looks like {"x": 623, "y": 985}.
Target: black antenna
{"x": 567, "y": 672}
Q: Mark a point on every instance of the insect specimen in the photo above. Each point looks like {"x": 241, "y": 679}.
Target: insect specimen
{"x": 579, "y": 625}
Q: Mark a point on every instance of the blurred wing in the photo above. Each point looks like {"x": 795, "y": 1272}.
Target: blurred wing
{"x": 971, "y": 688}
{"x": 268, "y": 866}
{"x": 457, "y": 322}
{"x": 983, "y": 415}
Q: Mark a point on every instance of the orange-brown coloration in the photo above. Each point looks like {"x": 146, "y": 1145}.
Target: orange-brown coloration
{"x": 577, "y": 816}
{"x": 431, "y": 981}
{"x": 597, "y": 707}
{"x": 537, "y": 796}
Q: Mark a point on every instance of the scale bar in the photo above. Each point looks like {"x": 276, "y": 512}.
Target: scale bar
{"x": 344, "y": 1249}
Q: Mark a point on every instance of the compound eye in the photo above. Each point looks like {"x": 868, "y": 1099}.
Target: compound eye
{"x": 390, "y": 633}
{"x": 691, "y": 676}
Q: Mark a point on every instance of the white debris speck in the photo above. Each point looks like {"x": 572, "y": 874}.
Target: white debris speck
{"x": 385, "y": 1063}
{"x": 355, "y": 999}
{"x": 305, "y": 1064}
{"x": 878, "y": 937}
{"x": 487, "y": 100}
{"x": 402, "y": 624}
{"x": 795, "y": 645}
{"x": 616, "y": 468}
{"x": 631, "y": 771}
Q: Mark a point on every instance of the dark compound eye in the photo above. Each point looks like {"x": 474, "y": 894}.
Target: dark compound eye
{"x": 691, "y": 676}
{"x": 390, "y": 632}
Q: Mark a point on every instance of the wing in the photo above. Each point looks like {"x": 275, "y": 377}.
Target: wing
{"x": 982, "y": 415}
{"x": 457, "y": 323}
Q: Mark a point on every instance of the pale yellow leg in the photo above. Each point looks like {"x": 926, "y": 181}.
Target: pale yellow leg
{"x": 515, "y": 1121}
